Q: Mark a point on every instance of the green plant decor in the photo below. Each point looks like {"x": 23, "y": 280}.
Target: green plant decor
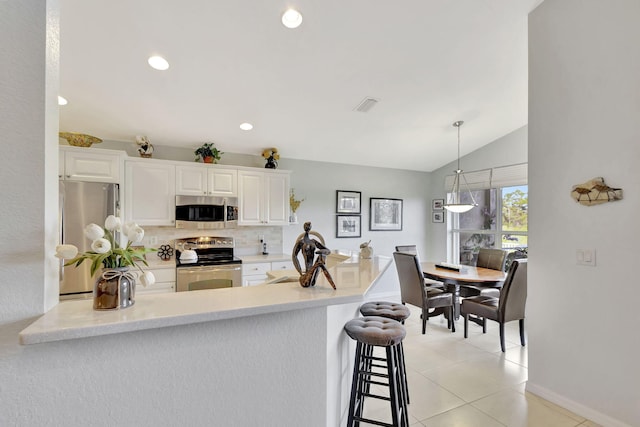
{"x": 208, "y": 151}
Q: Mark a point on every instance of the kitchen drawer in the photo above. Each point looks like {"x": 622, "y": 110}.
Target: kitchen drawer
{"x": 164, "y": 274}
{"x": 282, "y": 265}
{"x": 156, "y": 288}
{"x": 255, "y": 269}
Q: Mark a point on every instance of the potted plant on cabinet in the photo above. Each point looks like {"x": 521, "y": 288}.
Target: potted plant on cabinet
{"x": 208, "y": 153}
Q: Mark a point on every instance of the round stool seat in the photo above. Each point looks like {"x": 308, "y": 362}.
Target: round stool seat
{"x": 375, "y": 330}
{"x": 390, "y": 310}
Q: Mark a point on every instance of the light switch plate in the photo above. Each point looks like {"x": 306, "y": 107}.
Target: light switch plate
{"x": 586, "y": 257}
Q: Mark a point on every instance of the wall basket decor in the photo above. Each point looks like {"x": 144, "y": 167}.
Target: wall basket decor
{"x": 595, "y": 192}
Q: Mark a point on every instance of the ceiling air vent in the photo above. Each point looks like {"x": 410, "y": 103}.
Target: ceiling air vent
{"x": 366, "y": 105}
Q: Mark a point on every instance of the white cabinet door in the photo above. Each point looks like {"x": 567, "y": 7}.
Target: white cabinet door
{"x": 255, "y": 273}
{"x": 223, "y": 182}
{"x": 90, "y": 166}
{"x": 251, "y": 197}
{"x": 206, "y": 181}
{"x": 263, "y": 198}
{"x": 150, "y": 190}
{"x": 277, "y": 199}
{"x": 191, "y": 180}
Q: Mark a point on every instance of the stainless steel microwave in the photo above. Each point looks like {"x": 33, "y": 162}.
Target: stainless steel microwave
{"x": 206, "y": 212}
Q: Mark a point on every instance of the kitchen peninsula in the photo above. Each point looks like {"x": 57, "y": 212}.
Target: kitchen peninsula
{"x": 269, "y": 352}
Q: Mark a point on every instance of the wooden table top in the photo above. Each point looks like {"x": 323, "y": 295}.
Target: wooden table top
{"x": 469, "y": 274}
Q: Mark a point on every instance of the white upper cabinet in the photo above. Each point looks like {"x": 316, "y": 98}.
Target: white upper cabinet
{"x": 223, "y": 182}
{"x": 206, "y": 181}
{"x": 84, "y": 164}
{"x": 264, "y": 198}
{"x": 150, "y": 193}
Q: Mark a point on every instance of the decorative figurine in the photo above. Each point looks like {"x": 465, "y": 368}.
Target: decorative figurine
{"x": 366, "y": 251}
{"x": 145, "y": 148}
{"x": 310, "y": 248}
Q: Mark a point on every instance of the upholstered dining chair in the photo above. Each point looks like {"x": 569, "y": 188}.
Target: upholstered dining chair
{"x": 509, "y": 306}
{"x": 493, "y": 259}
{"x": 413, "y": 290}
{"x": 411, "y": 249}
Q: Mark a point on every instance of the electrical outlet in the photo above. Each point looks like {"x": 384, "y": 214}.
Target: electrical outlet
{"x": 153, "y": 240}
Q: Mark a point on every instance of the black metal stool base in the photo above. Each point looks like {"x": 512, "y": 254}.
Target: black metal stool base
{"x": 369, "y": 370}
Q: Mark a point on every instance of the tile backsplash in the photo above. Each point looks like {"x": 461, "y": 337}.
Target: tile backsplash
{"x": 246, "y": 238}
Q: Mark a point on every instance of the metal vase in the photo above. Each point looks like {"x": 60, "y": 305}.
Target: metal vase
{"x": 114, "y": 289}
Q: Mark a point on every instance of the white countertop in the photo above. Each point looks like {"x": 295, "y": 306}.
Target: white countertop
{"x": 77, "y": 319}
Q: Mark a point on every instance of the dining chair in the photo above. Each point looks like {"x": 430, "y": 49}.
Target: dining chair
{"x": 493, "y": 259}
{"x": 413, "y": 290}
{"x": 509, "y": 306}
{"x": 411, "y": 249}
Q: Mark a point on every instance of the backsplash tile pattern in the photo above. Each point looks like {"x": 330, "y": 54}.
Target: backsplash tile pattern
{"x": 246, "y": 238}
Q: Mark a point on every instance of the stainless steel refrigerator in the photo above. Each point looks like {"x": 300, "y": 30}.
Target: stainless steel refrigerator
{"x": 82, "y": 203}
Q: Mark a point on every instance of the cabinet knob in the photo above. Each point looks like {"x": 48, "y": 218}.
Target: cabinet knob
{"x": 68, "y": 176}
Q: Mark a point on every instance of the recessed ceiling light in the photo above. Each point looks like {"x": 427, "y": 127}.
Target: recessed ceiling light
{"x": 246, "y": 126}
{"x": 291, "y": 18}
{"x": 158, "y": 62}
{"x": 62, "y": 101}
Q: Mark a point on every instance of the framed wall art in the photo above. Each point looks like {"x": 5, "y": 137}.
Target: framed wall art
{"x": 347, "y": 202}
{"x": 385, "y": 214}
{"x": 437, "y": 204}
{"x": 437, "y": 216}
{"x": 348, "y": 226}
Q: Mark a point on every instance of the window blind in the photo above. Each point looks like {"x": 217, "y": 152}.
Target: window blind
{"x": 504, "y": 176}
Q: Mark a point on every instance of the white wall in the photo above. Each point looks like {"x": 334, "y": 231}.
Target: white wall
{"x": 317, "y": 182}
{"x": 511, "y": 149}
{"x": 28, "y": 126}
{"x": 584, "y": 116}
{"x": 171, "y": 376}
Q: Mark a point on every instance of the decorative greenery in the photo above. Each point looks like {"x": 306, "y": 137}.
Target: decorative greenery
{"x": 208, "y": 150}
{"x": 105, "y": 248}
{"x": 295, "y": 204}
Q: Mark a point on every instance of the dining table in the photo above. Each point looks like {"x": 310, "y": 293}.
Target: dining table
{"x": 455, "y": 277}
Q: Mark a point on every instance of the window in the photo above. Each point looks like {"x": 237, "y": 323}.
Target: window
{"x": 499, "y": 221}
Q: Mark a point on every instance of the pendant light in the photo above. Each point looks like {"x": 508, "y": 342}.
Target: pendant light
{"x": 453, "y": 202}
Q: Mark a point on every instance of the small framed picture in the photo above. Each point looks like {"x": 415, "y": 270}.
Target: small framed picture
{"x": 385, "y": 214}
{"x": 348, "y": 226}
{"x": 437, "y": 216}
{"x": 437, "y": 204}
{"x": 348, "y": 202}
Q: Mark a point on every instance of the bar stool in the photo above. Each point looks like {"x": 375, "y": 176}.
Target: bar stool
{"x": 391, "y": 310}
{"x": 370, "y": 332}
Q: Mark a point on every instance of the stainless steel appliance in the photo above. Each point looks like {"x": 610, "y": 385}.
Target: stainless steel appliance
{"x": 206, "y": 212}
{"x": 206, "y": 263}
{"x": 82, "y": 203}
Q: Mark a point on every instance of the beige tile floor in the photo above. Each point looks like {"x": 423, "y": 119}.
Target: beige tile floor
{"x": 457, "y": 382}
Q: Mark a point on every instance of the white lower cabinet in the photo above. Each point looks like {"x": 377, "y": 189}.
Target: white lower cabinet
{"x": 256, "y": 273}
{"x": 165, "y": 281}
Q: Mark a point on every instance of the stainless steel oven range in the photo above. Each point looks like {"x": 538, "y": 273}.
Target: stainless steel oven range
{"x": 206, "y": 263}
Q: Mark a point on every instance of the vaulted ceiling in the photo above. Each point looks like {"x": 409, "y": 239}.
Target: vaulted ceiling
{"x": 428, "y": 63}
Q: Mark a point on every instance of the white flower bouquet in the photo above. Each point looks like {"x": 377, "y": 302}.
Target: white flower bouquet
{"x": 107, "y": 252}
